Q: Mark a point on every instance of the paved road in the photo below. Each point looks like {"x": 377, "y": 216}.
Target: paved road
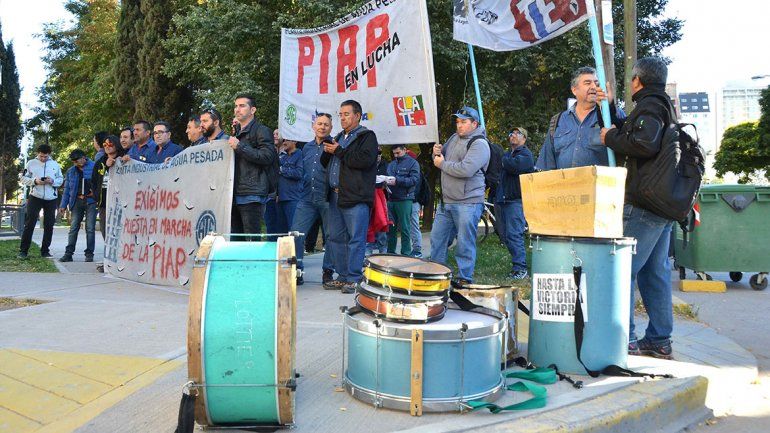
{"x": 740, "y": 314}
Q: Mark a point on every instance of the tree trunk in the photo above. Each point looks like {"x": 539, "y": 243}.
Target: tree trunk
{"x": 629, "y": 48}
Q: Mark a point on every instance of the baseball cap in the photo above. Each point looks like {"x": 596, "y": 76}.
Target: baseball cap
{"x": 520, "y": 129}
{"x": 77, "y": 154}
{"x": 467, "y": 113}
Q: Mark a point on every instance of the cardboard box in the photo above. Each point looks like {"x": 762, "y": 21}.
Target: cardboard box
{"x": 580, "y": 202}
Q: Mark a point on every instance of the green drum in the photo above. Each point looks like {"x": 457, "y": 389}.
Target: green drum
{"x": 242, "y": 331}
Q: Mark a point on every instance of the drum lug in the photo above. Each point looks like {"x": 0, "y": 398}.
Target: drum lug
{"x": 292, "y": 384}
{"x": 289, "y": 262}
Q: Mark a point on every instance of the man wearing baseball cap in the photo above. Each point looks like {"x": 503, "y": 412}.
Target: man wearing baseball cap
{"x": 510, "y": 217}
{"x": 462, "y": 161}
{"x": 79, "y": 199}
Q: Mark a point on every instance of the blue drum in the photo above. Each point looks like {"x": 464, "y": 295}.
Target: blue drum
{"x": 242, "y": 332}
{"x": 437, "y": 365}
{"x": 606, "y": 270}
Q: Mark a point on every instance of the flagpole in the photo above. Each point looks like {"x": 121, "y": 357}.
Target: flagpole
{"x": 476, "y": 84}
{"x": 597, "y": 48}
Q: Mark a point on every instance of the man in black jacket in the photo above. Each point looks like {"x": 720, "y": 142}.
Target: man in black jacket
{"x": 638, "y": 141}
{"x": 256, "y": 168}
{"x": 351, "y": 164}
{"x": 512, "y": 225}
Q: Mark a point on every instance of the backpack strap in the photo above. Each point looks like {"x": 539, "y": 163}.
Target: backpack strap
{"x": 553, "y": 124}
{"x": 471, "y": 141}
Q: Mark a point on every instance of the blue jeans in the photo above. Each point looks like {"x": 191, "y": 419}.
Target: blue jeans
{"x": 271, "y": 219}
{"x": 512, "y": 226}
{"x": 82, "y": 209}
{"x": 347, "y": 239}
{"x": 306, "y": 214}
{"x": 380, "y": 244}
{"x": 462, "y": 219}
{"x": 285, "y": 212}
{"x": 416, "y": 233}
{"x": 651, "y": 270}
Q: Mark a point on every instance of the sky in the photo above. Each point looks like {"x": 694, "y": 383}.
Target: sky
{"x": 722, "y": 42}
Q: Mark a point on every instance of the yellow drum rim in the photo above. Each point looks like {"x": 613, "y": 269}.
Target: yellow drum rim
{"x": 409, "y": 284}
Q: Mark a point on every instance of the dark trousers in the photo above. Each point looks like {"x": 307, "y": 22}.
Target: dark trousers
{"x": 247, "y": 218}
{"x": 103, "y": 221}
{"x": 33, "y": 207}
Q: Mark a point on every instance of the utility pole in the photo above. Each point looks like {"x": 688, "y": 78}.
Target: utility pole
{"x": 629, "y": 48}
{"x": 608, "y": 51}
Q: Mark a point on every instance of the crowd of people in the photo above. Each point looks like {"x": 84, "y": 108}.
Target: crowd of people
{"x": 341, "y": 180}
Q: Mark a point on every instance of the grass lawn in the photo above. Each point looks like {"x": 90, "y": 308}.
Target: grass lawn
{"x": 34, "y": 263}
{"x": 493, "y": 264}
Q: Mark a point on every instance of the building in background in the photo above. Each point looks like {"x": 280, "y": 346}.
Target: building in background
{"x": 696, "y": 109}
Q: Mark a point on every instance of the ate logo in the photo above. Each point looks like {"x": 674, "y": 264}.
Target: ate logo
{"x": 410, "y": 110}
{"x": 207, "y": 223}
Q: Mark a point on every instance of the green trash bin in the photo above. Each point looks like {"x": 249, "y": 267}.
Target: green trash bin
{"x": 733, "y": 234}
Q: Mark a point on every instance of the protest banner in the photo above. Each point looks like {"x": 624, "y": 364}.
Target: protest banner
{"x": 506, "y": 25}
{"x": 157, "y": 214}
{"x": 379, "y": 55}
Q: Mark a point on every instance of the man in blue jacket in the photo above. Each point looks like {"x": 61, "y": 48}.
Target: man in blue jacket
{"x": 404, "y": 174}
{"x": 166, "y": 149}
{"x": 313, "y": 203}
{"x": 79, "y": 199}
{"x": 517, "y": 161}
{"x": 290, "y": 172}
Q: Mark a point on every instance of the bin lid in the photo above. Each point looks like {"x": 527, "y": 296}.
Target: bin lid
{"x": 728, "y": 188}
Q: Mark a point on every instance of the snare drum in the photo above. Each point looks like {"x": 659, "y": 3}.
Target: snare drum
{"x": 242, "y": 332}
{"x": 499, "y": 298}
{"x": 436, "y": 366}
{"x": 407, "y": 274}
{"x": 400, "y": 307}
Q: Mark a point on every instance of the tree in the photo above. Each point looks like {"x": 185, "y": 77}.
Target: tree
{"x": 157, "y": 97}
{"x": 745, "y": 148}
{"x": 127, "y": 43}
{"x": 10, "y": 120}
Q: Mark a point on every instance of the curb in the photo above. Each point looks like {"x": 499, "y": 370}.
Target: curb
{"x": 661, "y": 406}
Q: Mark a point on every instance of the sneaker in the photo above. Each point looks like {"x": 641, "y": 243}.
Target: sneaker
{"x": 66, "y": 258}
{"x": 655, "y": 350}
{"x": 100, "y": 268}
{"x": 633, "y": 348}
{"x": 90, "y": 258}
{"x": 327, "y": 276}
{"x": 22, "y": 256}
{"x": 348, "y": 288}
{"x": 45, "y": 255}
{"x": 300, "y": 280}
{"x": 417, "y": 254}
{"x": 518, "y": 275}
{"x": 333, "y": 285}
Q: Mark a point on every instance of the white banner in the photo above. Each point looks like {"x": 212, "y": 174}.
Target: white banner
{"x": 554, "y": 296}
{"x": 380, "y": 55}
{"x": 157, "y": 214}
{"x": 506, "y": 25}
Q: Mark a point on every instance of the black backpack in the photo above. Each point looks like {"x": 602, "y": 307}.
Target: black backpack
{"x": 493, "y": 173}
{"x": 668, "y": 184}
{"x": 422, "y": 192}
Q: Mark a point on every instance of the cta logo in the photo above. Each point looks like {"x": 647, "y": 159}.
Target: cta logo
{"x": 206, "y": 224}
{"x": 410, "y": 110}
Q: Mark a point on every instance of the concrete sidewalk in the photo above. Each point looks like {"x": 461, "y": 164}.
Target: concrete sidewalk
{"x": 106, "y": 355}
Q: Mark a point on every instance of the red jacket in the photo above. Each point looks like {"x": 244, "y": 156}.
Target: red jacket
{"x": 379, "y": 221}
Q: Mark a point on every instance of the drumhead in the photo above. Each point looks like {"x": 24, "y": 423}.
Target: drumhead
{"x": 616, "y": 241}
{"x": 479, "y": 326}
{"x": 405, "y": 266}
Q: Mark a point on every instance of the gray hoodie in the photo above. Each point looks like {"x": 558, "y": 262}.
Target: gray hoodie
{"x": 462, "y": 178}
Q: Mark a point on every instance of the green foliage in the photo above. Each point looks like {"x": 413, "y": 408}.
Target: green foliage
{"x": 124, "y": 67}
{"x": 10, "y": 120}
{"x": 742, "y": 153}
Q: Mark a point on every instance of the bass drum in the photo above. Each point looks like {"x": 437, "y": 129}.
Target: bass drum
{"x": 499, "y": 298}
{"x": 242, "y": 331}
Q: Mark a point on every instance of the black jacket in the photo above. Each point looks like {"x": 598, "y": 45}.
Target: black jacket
{"x": 639, "y": 140}
{"x": 358, "y": 169}
{"x": 97, "y": 178}
{"x": 256, "y": 161}
{"x": 515, "y": 162}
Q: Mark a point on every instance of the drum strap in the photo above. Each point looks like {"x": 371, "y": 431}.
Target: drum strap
{"x": 538, "y": 400}
{"x": 610, "y": 370}
{"x": 186, "y": 419}
{"x": 465, "y": 304}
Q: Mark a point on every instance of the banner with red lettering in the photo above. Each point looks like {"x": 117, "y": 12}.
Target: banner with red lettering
{"x": 157, "y": 214}
{"x": 379, "y": 55}
{"x": 506, "y": 25}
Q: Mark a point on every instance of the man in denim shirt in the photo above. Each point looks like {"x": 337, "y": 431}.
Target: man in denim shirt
{"x": 575, "y": 142}
{"x": 313, "y": 203}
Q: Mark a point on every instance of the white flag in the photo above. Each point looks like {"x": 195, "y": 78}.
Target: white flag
{"x": 506, "y": 25}
{"x": 379, "y": 55}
